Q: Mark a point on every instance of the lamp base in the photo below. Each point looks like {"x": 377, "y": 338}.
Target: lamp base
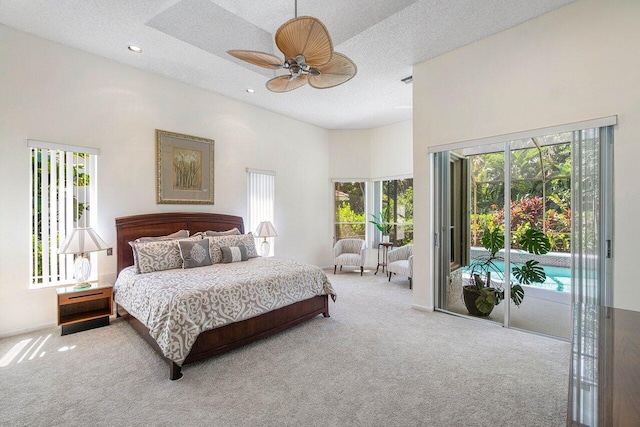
{"x": 265, "y": 248}
{"x": 81, "y": 271}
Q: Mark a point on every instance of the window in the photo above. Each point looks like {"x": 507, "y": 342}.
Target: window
{"x": 261, "y": 202}
{"x": 394, "y": 199}
{"x": 350, "y": 216}
{"x": 63, "y": 196}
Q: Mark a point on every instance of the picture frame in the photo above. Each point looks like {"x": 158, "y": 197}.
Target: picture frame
{"x": 184, "y": 169}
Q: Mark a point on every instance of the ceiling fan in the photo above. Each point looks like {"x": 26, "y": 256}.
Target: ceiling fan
{"x": 308, "y": 57}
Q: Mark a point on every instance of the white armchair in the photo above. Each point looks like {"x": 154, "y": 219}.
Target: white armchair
{"x": 400, "y": 261}
{"x": 350, "y": 252}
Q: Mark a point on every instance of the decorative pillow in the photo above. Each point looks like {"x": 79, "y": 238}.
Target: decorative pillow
{"x": 157, "y": 255}
{"x": 217, "y": 242}
{"x": 233, "y": 254}
{"x": 182, "y": 234}
{"x": 194, "y": 253}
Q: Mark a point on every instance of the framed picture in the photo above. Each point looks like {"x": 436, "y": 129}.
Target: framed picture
{"x": 184, "y": 168}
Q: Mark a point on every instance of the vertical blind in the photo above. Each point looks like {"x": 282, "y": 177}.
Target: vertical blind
{"x": 261, "y": 186}
{"x": 590, "y": 234}
{"x": 63, "y": 182}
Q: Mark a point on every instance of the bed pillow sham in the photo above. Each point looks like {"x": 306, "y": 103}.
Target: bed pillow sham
{"x": 217, "y": 242}
{"x": 158, "y": 255}
{"x": 210, "y": 233}
{"x": 181, "y": 234}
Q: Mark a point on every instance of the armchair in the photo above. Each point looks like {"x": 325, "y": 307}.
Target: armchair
{"x": 349, "y": 252}
{"x": 400, "y": 261}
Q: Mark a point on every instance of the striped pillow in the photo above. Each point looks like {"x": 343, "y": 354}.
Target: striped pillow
{"x": 233, "y": 254}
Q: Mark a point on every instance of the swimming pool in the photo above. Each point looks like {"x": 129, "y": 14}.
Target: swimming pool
{"x": 558, "y": 278}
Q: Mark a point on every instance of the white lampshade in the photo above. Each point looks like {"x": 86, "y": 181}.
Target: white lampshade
{"x": 265, "y": 229}
{"x": 82, "y": 240}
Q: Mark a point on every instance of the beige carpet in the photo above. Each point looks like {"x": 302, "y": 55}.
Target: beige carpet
{"x": 375, "y": 362}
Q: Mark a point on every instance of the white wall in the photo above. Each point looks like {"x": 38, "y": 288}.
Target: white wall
{"x": 55, "y": 93}
{"x": 385, "y": 151}
{"x": 350, "y": 153}
{"x": 392, "y": 150}
{"x": 579, "y": 62}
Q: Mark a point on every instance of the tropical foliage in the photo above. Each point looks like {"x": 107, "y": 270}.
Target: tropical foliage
{"x": 540, "y": 194}
{"x": 492, "y": 292}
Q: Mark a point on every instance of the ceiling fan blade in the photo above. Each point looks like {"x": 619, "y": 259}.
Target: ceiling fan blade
{"x": 261, "y": 59}
{"x": 339, "y": 70}
{"x": 283, "y": 84}
{"x": 306, "y": 36}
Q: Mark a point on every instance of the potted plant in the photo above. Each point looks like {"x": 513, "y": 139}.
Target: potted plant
{"x": 381, "y": 221}
{"x": 481, "y": 295}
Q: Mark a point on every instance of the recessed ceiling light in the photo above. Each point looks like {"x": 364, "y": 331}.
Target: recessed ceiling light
{"x": 250, "y": 90}
{"x": 134, "y": 49}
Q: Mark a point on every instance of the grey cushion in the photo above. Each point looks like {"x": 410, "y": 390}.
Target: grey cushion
{"x": 233, "y": 254}
{"x": 194, "y": 253}
{"x": 182, "y": 234}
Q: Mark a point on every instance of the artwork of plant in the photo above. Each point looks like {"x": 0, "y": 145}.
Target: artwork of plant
{"x": 187, "y": 169}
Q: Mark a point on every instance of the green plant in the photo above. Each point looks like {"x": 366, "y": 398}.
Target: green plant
{"x": 488, "y": 293}
{"x": 381, "y": 221}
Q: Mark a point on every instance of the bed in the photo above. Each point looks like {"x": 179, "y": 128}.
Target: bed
{"x": 203, "y": 342}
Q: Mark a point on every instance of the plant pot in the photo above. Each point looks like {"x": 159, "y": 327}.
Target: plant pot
{"x": 385, "y": 239}
{"x": 470, "y": 294}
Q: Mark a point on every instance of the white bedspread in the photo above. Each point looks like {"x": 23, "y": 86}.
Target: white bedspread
{"x": 176, "y": 305}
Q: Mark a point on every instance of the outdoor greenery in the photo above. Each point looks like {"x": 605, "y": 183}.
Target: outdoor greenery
{"x": 395, "y": 218}
{"x": 350, "y": 216}
{"x": 397, "y": 202}
{"x": 540, "y": 194}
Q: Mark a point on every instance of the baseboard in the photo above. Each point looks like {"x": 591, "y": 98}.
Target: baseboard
{"x": 27, "y": 330}
{"x": 422, "y": 308}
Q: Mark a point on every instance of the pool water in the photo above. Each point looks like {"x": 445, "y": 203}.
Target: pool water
{"x": 558, "y": 278}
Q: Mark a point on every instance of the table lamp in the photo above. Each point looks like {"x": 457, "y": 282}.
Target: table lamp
{"x": 80, "y": 242}
{"x": 265, "y": 229}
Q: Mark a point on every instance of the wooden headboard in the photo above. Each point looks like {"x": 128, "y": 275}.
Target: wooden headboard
{"x": 129, "y": 228}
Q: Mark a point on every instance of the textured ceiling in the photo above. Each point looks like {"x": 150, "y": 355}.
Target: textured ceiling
{"x": 186, "y": 40}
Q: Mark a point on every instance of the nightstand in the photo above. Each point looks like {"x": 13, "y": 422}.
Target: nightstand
{"x": 83, "y": 309}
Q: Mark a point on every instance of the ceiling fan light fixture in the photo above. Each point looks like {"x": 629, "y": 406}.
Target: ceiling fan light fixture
{"x": 309, "y": 57}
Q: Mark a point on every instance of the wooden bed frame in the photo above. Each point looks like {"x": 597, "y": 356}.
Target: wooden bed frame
{"x": 225, "y": 338}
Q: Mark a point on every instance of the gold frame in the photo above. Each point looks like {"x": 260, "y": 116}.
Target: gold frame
{"x": 202, "y": 191}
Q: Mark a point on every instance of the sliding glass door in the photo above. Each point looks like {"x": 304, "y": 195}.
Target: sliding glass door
{"x": 504, "y": 219}
{"x": 540, "y": 205}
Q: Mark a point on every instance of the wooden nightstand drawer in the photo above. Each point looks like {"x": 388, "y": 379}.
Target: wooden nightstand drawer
{"x": 84, "y": 308}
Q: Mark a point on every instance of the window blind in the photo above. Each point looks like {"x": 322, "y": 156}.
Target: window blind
{"x": 261, "y": 202}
